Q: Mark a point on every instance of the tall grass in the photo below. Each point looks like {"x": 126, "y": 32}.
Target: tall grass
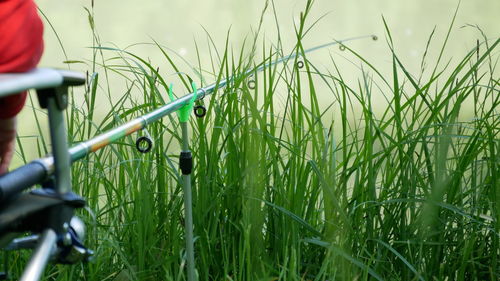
{"x": 285, "y": 192}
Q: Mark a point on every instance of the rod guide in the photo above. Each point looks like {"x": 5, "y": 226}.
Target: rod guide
{"x": 144, "y": 144}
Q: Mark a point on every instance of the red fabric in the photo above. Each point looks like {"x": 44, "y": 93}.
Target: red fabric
{"x": 21, "y": 46}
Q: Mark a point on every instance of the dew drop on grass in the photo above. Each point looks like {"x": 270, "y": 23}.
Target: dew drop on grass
{"x": 374, "y": 37}
{"x": 342, "y": 47}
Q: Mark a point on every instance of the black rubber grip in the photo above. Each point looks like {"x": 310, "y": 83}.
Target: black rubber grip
{"x": 186, "y": 162}
{"x": 20, "y": 179}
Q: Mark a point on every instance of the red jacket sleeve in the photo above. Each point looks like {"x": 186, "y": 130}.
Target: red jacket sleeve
{"x": 21, "y": 46}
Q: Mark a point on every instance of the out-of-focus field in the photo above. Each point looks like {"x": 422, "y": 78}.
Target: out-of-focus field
{"x": 178, "y": 24}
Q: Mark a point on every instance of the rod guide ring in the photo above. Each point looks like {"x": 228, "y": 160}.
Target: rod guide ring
{"x": 144, "y": 144}
{"x": 251, "y": 84}
{"x": 200, "y": 111}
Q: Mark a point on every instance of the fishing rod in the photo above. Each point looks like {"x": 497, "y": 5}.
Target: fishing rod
{"x": 40, "y": 169}
{"x": 83, "y": 149}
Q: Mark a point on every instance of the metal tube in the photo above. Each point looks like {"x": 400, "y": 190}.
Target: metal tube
{"x": 188, "y": 209}
{"x": 83, "y": 149}
{"x": 40, "y": 78}
{"x": 185, "y": 136}
{"x": 41, "y": 256}
{"x": 189, "y": 226}
{"x": 60, "y": 215}
{"x": 59, "y": 147}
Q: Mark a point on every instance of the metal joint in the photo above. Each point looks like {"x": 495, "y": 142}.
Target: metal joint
{"x": 59, "y": 93}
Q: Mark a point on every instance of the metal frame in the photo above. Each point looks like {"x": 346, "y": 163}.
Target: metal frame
{"x": 52, "y": 89}
{"x": 56, "y": 103}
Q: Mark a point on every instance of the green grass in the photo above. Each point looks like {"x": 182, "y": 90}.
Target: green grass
{"x": 285, "y": 191}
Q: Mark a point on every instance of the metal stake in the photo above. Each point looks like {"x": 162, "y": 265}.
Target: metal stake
{"x": 188, "y": 202}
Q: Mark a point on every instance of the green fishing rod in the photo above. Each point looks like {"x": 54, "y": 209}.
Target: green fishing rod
{"x": 40, "y": 169}
{"x": 83, "y": 149}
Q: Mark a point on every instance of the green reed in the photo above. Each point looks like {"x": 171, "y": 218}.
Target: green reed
{"x": 281, "y": 190}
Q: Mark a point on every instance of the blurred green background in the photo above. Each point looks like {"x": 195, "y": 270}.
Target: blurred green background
{"x": 178, "y": 24}
{"x": 402, "y": 187}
